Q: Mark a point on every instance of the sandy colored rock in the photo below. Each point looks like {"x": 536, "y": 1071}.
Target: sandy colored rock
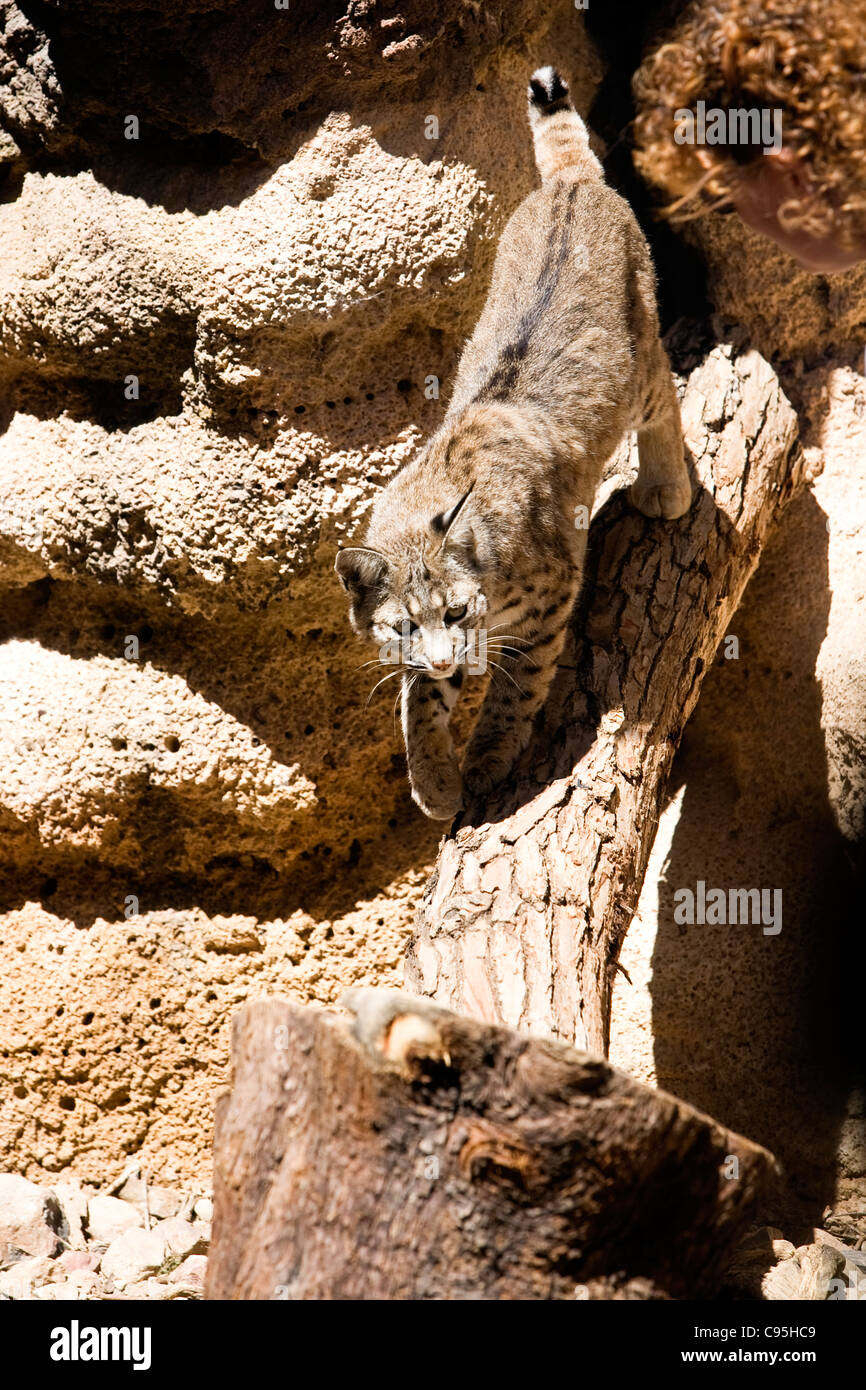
{"x": 191, "y": 1271}
{"x": 334, "y": 287}
{"x": 159, "y": 1202}
{"x": 108, "y": 1218}
{"x": 57, "y": 1293}
{"x": 88, "y": 283}
{"x": 31, "y": 1222}
{"x": 82, "y": 741}
{"x": 140, "y": 1289}
{"x": 86, "y": 1282}
{"x": 21, "y": 1278}
{"x": 74, "y": 1261}
{"x": 133, "y": 1255}
{"x": 787, "y": 311}
{"x": 133, "y": 1063}
{"x": 183, "y": 1238}
{"x": 243, "y": 74}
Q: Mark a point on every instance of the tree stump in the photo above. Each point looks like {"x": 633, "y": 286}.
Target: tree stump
{"x": 523, "y": 919}
{"x": 428, "y": 1156}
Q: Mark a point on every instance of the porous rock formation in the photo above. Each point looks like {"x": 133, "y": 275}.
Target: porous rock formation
{"x": 217, "y": 340}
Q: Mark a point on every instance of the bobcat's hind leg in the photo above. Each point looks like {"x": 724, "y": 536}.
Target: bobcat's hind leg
{"x": 662, "y": 487}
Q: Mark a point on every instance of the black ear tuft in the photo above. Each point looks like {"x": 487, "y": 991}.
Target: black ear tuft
{"x": 359, "y": 568}
{"x": 443, "y": 521}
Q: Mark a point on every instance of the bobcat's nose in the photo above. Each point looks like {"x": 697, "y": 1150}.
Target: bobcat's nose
{"x": 439, "y": 652}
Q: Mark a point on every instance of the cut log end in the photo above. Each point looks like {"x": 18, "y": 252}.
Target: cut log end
{"x": 418, "y": 1154}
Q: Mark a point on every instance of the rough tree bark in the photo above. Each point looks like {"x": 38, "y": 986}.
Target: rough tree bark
{"x": 525, "y": 914}
{"x": 432, "y": 1156}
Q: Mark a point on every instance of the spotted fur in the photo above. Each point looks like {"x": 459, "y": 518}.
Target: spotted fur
{"x": 475, "y": 540}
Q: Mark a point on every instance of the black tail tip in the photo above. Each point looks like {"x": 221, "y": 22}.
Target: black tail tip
{"x": 547, "y": 88}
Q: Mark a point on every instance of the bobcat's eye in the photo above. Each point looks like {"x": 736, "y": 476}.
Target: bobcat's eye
{"x": 405, "y": 625}
{"x": 453, "y": 615}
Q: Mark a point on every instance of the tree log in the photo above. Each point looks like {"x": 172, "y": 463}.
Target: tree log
{"x": 525, "y": 914}
{"x": 433, "y": 1156}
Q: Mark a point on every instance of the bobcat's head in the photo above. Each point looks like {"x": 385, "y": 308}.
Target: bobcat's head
{"x": 419, "y": 593}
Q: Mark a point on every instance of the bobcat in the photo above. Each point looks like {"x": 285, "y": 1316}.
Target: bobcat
{"x": 476, "y": 539}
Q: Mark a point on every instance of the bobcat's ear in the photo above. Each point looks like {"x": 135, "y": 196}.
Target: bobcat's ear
{"x": 360, "y": 568}
{"x": 450, "y": 525}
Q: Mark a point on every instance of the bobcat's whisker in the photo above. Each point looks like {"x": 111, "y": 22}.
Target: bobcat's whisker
{"x": 376, "y": 661}
{"x": 511, "y": 608}
{"x": 505, "y": 647}
{"x": 497, "y": 667}
{"x": 510, "y": 652}
{"x": 508, "y": 636}
{"x": 382, "y": 682}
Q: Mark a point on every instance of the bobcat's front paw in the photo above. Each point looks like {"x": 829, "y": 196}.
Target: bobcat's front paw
{"x": 483, "y": 773}
{"x": 438, "y": 794}
{"x": 668, "y": 500}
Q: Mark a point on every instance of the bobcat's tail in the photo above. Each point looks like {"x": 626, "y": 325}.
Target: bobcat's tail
{"x": 561, "y": 141}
